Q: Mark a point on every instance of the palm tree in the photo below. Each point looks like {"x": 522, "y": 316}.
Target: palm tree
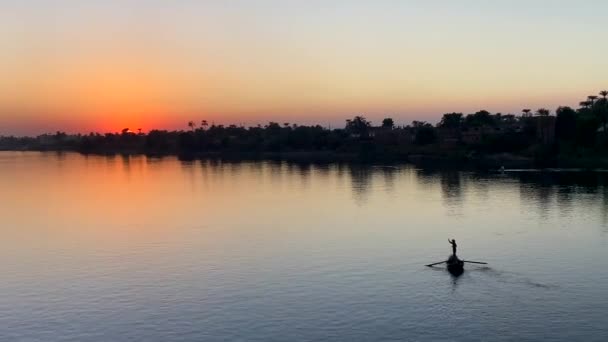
{"x": 602, "y": 110}
{"x": 584, "y": 104}
{"x": 591, "y": 98}
{"x": 204, "y": 124}
{"x": 192, "y": 125}
{"x": 526, "y": 112}
{"x": 543, "y": 114}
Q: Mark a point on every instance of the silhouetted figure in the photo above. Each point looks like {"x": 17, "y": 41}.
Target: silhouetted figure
{"x": 453, "y": 242}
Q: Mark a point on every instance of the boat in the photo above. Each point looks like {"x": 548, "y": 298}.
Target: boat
{"x": 455, "y": 266}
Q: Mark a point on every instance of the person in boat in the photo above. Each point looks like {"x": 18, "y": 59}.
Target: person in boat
{"x": 453, "y": 243}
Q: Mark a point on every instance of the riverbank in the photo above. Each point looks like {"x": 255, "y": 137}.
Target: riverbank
{"x": 425, "y": 158}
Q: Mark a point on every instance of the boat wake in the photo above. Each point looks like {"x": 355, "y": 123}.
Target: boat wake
{"x": 514, "y": 278}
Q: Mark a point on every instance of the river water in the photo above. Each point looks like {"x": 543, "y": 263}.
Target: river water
{"x": 142, "y": 249}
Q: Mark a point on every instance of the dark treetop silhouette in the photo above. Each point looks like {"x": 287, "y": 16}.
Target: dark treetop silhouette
{"x": 571, "y": 137}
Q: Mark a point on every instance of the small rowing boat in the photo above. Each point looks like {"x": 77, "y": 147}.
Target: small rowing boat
{"x": 454, "y": 265}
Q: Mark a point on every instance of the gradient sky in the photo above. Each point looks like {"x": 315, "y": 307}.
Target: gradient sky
{"x": 104, "y": 65}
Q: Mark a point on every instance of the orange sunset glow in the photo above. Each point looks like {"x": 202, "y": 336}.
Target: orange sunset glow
{"x": 103, "y": 66}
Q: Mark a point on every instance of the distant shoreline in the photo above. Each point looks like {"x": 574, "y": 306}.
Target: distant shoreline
{"x": 458, "y": 160}
{"x": 570, "y": 139}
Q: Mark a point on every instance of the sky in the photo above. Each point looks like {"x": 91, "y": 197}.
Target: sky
{"x": 104, "y": 65}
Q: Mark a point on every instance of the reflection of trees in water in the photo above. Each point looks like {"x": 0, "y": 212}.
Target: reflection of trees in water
{"x": 361, "y": 179}
{"x": 235, "y": 168}
{"x": 605, "y": 206}
{"x": 149, "y": 160}
{"x": 301, "y": 170}
{"x": 214, "y": 168}
{"x": 427, "y": 176}
{"x": 542, "y": 188}
{"x": 60, "y": 156}
{"x": 389, "y": 174}
{"x": 275, "y": 167}
{"x": 544, "y": 194}
{"x": 126, "y": 162}
{"x": 565, "y": 196}
{"x": 450, "y": 182}
{"x": 304, "y": 169}
{"x": 451, "y": 190}
{"x": 188, "y": 166}
{"x": 481, "y": 186}
{"x": 323, "y": 170}
{"x": 451, "y": 186}
{"x": 537, "y": 190}
{"x": 110, "y": 160}
{"x": 341, "y": 170}
{"x": 275, "y": 171}
{"x": 204, "y": 172}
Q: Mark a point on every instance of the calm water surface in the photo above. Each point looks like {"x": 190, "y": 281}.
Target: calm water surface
{"x": 140, "y": 249}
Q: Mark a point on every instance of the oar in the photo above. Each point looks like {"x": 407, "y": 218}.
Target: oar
{"x": 437, "y": 263}
{"x": 476, "y": 262}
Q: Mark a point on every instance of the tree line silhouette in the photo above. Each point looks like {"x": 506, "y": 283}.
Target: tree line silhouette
{"x": 569, "y": 136}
